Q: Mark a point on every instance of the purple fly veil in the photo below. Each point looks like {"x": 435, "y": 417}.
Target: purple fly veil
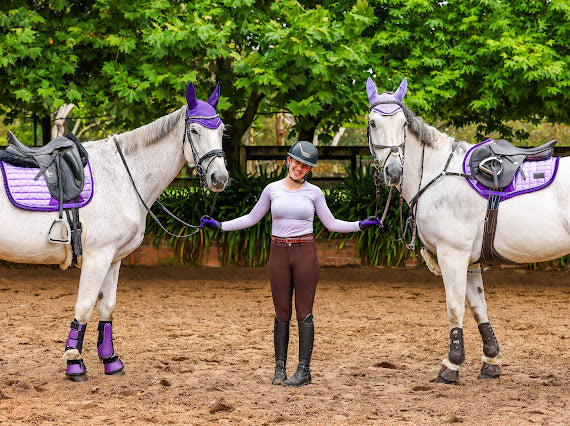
{"x": 386, "y": 109}
{"x": 201, "y": 112}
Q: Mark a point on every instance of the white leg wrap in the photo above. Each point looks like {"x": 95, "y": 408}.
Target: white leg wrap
{"x": 450, "y": 365}
{"x": 492, "y": 361}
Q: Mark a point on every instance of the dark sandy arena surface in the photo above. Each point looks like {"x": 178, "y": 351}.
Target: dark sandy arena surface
{"x": 197, "y": 345}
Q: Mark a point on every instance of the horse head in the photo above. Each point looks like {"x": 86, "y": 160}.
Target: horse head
{"x": 204, "y": 131}
{"x": 387, "y": 130}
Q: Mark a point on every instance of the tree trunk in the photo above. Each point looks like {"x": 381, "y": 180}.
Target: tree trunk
{"x": 237, "y": 127}
{"x": 61, "y": 121}
{"x": 46, "y": 129}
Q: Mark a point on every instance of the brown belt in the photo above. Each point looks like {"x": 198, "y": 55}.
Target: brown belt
{"x": 294, "y": 240}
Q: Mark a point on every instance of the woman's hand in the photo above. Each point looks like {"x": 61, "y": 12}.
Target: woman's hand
{"x": 369, "y": 222}
{"x": 210, "y": 223}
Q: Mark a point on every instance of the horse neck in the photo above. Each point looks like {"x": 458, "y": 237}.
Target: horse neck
{"x": 154, "y": 154}
{"x": 423, "y": 162}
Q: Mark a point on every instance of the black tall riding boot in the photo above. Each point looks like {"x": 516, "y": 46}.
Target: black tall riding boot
{"x": 306, "y": 338}
{"x": 281, "y": 342}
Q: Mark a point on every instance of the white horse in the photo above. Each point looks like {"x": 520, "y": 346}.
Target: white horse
{"x": 450, "y": 216}
{"x": 114, "y": 221}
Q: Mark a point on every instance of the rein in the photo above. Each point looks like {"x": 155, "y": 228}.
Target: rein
{"x": 196, "y": 228}
{"x": 200, "y": 171}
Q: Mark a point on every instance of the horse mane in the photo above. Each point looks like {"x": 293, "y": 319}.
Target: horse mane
{"x": 150, "y": 133}
{"x": 425, "y": 133}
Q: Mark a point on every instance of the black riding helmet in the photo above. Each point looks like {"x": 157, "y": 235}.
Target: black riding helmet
{"x": 305, "y": 152}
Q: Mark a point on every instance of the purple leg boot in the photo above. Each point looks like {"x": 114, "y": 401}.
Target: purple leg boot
{"x": 76, "y": 369}
{"x": 112, "y": 363}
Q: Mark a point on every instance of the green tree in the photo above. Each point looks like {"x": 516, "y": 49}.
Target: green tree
{"x": 474, "y": 61}
{"x": 479, "y": 61}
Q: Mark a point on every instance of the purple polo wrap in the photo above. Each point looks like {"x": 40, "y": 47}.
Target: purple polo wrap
{"x": 27, "y": 193}
{"x": 105, "y": 340}
{"x": 539, "y": 174}
{"x": 76, "y": 334}
{"x": 201, "y": 112}
{"x": 386, "y": 109}
{"x": 111, "y": 362}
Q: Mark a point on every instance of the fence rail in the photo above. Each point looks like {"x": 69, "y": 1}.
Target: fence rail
{"x": 275, "y": 152}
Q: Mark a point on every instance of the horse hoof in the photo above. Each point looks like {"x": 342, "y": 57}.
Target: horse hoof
{"x": 116, "y": 373}
{"x": 447, "y": 376}
{"x": 78, "y": 378}
{"x": 489, "y": 371}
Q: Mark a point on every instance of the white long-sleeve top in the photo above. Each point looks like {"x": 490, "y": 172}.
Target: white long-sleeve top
{"x": 292, "y": 211}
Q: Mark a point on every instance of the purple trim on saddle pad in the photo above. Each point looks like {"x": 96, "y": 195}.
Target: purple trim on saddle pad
{"x": 539, "y": 174}
{"x": 29, "y": 194}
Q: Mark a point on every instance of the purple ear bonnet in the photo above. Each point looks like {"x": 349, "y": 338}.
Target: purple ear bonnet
{"x": 386, "y": 109}
{"x": 201, "y": 112}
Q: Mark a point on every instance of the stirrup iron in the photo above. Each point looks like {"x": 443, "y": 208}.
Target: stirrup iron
{"x": 59, "y": 240}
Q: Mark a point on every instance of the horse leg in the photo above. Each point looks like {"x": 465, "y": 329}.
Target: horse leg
{"x": 453, "y": 264}
{"x": 491, "y": 368}
{"x": 106, "y": 306}
{"x": 92, "y": 275}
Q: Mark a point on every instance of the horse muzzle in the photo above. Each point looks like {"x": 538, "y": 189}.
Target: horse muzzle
{"x": 393, "y": 172}
{"x": 217, "y": 181}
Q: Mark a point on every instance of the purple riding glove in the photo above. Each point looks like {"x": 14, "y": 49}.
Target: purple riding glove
{"x": 210, "y": 223}
{"x": 369, "y": 222}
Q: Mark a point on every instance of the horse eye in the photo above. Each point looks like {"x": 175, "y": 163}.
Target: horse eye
{"x": 373, "y": 124}
{"x": 194, "y": 130}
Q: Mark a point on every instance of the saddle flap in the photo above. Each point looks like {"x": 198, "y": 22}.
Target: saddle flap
{"x": 496, "y": 171}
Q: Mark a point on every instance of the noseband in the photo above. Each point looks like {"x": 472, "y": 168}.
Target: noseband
{"x": 200, "y": 171}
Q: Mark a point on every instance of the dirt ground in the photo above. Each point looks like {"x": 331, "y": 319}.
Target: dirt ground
{"x": 197, "y": 345}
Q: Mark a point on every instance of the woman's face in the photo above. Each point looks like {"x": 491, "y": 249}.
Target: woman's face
{"x": 297, "y": 169}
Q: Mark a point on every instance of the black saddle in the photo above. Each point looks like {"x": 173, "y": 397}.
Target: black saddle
{"x": 495, "y": 164}
{"x": 61, "y": 162}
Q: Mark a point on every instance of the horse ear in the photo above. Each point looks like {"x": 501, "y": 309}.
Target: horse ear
{"x": 191, "y": 96}
{"x": 215, "y": 96}
{"x": 371, "y": 90}
{"x": 399, "y": 95}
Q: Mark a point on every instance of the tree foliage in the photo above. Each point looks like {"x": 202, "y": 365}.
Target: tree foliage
{"x": 474, "y": 61}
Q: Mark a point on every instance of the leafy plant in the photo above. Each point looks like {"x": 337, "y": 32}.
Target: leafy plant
{"x": 354, "y": 199}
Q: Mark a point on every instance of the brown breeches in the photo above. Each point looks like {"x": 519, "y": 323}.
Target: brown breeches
{"x": 291, "y": 267}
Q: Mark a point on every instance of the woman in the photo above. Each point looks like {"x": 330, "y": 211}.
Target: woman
{"x": 293, "y": 262}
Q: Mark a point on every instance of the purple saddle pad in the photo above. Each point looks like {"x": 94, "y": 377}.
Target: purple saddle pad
{"x": 29, "y": 194}
{"x": 539, "y": 174}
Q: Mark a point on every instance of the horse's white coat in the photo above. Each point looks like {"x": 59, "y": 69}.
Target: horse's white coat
{"x": 115, "y": 218}
{"x": 450, "y": 215}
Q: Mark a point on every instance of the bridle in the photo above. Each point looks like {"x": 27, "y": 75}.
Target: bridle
{"x": 211, "y": 155}
{"x": 398, "y": 150}
{"x": 413, "y": 203}
{"x": 394, "y": 149}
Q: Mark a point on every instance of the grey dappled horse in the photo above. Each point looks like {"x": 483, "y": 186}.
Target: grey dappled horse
{"x": 450, "y": 216}
{"x": 114, "y": 220}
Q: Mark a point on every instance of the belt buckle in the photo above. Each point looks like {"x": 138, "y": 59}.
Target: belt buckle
{"x": 290, "y": 240}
